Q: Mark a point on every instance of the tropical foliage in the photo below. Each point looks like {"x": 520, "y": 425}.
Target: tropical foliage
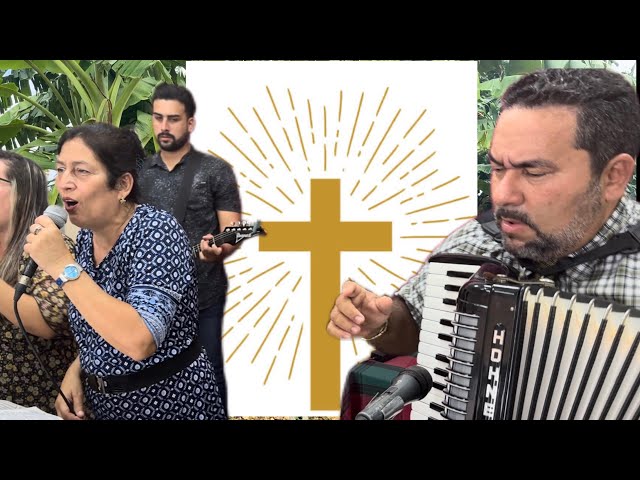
{"x": 494, "y": 76}
{"x": 39, "y": 100}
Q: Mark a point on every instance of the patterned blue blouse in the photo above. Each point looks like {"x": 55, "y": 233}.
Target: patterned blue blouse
{"x": 151, "y": 268}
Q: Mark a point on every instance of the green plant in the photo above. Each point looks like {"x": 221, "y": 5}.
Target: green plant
{"x": 39, "y": 100}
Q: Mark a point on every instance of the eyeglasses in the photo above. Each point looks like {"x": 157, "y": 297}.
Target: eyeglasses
{"x": 4, "y": 180}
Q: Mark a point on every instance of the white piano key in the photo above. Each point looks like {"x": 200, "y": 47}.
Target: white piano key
{"x": 432, "y": 350}
{"x": 422, "y": 408}
{"x": 440, "y": 292}
{"x": 438, "y": 304}
{"x": 436, "y": 327}
{"x": 417, "y": 416}
{"x": 431, "y": 363}
{"x": 441, "y": 280}
{"x": 436, "y": 315}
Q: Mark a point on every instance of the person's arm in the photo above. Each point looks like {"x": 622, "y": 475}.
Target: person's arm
{"x": 383, "y": 321}
{"x": 28, "y": 309}
{"x": 72, "y": 387}
{"x": 214, "y": 253}
{"x": 225, "y": 198}
{"x": 42, "y": 308}
{"x": 401, "y": 333}
{"x": 114, "y": 320}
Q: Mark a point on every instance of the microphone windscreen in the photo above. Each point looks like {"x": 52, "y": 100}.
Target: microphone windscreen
{"x": 423, "y": 377}
{"x": 57, "y": 214}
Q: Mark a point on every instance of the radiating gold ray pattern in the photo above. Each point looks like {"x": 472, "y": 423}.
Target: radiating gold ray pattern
{"x": 266, "y": 130}
{"x": 270, "y": 330}
{"x": 386, "y": 269}
{"x": 355, "y": 124}
{"x": 295, "y": 352}
{"x": 446, "y": 183}
{"x": 384, "y": 137}
{"x": 393, "y": 166}
{"x": 437, "y": 205}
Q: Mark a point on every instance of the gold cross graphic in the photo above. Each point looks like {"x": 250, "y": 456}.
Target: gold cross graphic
{"x": 325, "y": 236}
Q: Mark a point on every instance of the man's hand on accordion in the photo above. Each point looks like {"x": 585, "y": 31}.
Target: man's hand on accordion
{"x": 358, "y": 312}
{"x": 385, "y": 322}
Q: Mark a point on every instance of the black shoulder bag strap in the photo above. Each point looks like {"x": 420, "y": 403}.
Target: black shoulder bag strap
{"x": 626, "y": 242}
{"x": 191, "y": 165}
{"x": 488, "y": 223}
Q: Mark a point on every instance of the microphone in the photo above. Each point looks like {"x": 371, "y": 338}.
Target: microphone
{"x": 411, "y": 384}
{"x": 59, "y": 217}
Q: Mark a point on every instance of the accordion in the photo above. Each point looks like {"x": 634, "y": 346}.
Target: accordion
{"x": 498, "y": 348}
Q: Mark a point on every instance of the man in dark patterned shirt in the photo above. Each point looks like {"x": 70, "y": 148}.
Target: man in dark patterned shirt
{"x": 213, "y": 203}
{"x": 562, "y": 154}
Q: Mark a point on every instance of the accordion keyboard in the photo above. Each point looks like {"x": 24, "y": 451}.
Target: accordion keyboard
{"x": 500, "y": 349}
{"x": 437, "y": 331}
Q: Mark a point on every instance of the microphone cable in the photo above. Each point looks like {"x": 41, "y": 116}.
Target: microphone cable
{"x": 35, "y": 352}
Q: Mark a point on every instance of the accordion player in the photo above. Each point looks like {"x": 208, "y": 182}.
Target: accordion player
{"x": 499, "y": 348}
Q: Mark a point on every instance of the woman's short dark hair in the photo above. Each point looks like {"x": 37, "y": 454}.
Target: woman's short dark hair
{"x": 118, "y": 149}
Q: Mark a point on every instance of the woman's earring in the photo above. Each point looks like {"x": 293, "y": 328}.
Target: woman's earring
{"x": 122, "y": 201}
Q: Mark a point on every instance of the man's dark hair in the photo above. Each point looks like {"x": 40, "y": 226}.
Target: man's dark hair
{"x": 608, "y": 112}
{"x": 166, "y": 91}
{"x": 118, "y": 149}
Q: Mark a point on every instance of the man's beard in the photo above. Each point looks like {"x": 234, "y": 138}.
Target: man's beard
{"x": 547, "y": 248}
{"x": 176, "y": 144}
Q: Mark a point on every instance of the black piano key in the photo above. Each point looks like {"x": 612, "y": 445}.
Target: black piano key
{"x": 454, "y": 274}
{"x": 441, "y": 372}
{"x": 587, "y": 371}
{"x": 445, "y": 337}
{"x": 621, "y": 375}
{"x": 603, "y": 374}
{"x": 446, "y": 323}
{"x": 572, "y": 367}
{"x": 436, "y": 407}
{"x": 442, "y": 358}
{"x": 452, "y": 288}
{"x": 543, "y": 362}
{"x": 449, "y": 301}
{"x": 527, "y": 362}
{"x": 556, "y": 366}
{"x": 439, "y": 386}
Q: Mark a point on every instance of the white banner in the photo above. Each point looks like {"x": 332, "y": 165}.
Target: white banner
{"x": 374, "y": 160}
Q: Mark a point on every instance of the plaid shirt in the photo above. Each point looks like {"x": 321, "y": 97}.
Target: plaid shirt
{"x": 613, "y": 278}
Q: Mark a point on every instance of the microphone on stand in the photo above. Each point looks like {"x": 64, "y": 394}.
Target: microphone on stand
{"x": 411, "y": 384}
{"x": 59, "y": 217}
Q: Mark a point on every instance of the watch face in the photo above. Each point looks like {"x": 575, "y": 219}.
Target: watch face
{"x": 71, "y": 272}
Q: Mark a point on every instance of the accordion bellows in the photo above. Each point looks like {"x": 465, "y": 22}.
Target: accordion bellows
{"x": 502, "y": 349}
